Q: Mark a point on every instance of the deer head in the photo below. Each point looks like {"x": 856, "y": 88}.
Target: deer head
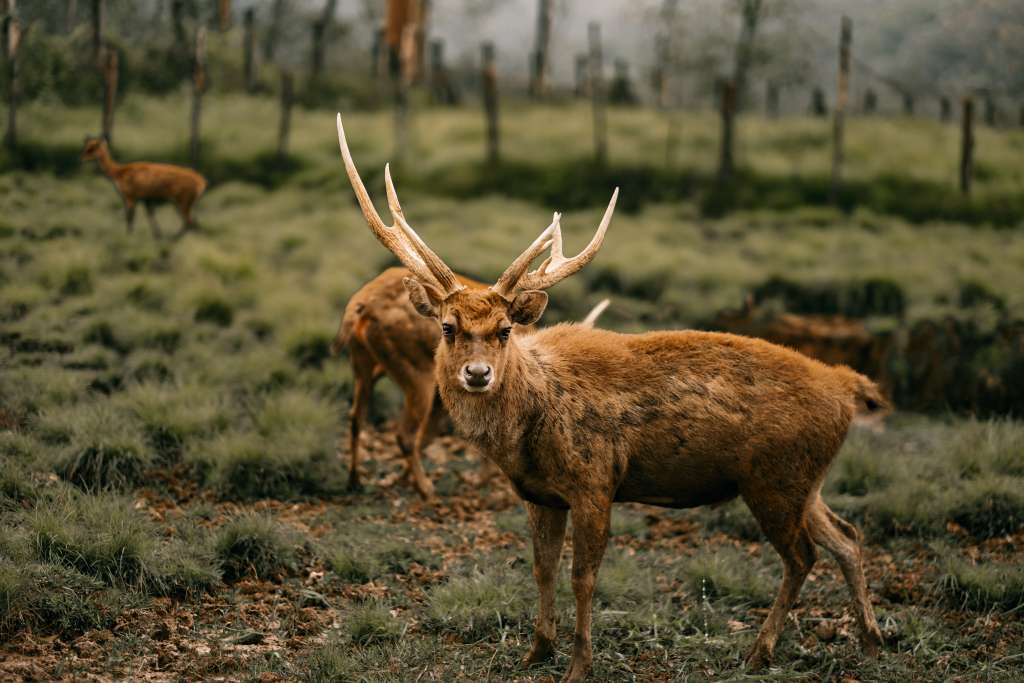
{"x": 476, "y": 325}
{"x": 94, "y": 148}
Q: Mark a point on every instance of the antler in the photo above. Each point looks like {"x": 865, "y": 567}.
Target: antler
{"x": 403, "y": 242}
{"x": 556, "y": 267}
{"x": 507, "y": 282}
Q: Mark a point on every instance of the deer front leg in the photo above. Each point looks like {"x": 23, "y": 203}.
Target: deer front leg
{"x": 590, "y": 522}
{"x": 548, "y": 529}
{"x": 129, "y": 214}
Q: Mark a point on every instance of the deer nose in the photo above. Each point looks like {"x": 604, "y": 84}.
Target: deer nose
{"x": 477, "y": 374}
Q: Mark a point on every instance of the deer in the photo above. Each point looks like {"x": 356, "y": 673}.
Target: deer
{"x": 384, "y": 335}
{"x": 150, "y": 183}
{"x": 579, "y": 419}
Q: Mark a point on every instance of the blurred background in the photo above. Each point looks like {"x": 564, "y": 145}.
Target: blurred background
{"x": 846, "y": 178}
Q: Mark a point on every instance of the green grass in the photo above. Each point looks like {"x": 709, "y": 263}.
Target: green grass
{"x": 983, "y": 586}
{"x": 254, "y": 545}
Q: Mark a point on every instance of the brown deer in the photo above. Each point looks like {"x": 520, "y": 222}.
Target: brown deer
{"x": 385, "y": 335}
{"x": 579, "y": 419}
{"x": 149, "y": 183}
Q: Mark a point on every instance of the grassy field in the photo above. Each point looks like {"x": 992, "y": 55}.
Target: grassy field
{"x": 171, "y": 498}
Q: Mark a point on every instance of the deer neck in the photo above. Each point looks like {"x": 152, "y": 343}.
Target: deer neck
{"x": 495, "y": 422}
{"x": 107, "y": 163}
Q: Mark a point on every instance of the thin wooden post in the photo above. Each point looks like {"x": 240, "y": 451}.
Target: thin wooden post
{"x": 597, "y": 93}
{"x": 489, "y": 80}
{"x": 539, "y": 57}
{"x": 198, "y": 87}
{"x": 11, "y": 37}
{"x": 726, "y": 164}
{"x": 842, "y": 92}
{"x": 771, "y": 100}
{"x": 110, "y": 68}
{"x": 69, "y": 15}
{"x": 249, "y": 49}
{"x": 870, "y": 101}
{"x": 582, "y": 83}
{"x": 285, "y": 122}
{"x": 967, "y": 146}
{"x": 223, "y": 15}
{"x": 273, "y": 30}
{"x": 945, "y": 109}
{"x": 98, "y": 17}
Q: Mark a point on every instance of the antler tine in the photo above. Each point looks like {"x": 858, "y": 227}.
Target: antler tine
{"x": 438, "y": 268}
{"x": 396, "y": 241}
{"x": 556, "y": 267}
{"x": 508, "y": 280}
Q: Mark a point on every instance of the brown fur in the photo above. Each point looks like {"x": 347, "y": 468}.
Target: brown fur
{"x": 579, "y": 419}
{"x": 149, "y": 183}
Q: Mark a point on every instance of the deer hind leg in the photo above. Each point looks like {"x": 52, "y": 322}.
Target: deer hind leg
{"x": 590, "y": 521}
{"x": 842, "y": 540}
{"x": 423, "y": 399}
{"x": 785, "y": 523}
{"x": 548, "y": 529}
{"x": 151, "y": 214}
{"x": 129, "y": 214}
{"x": 364, "y": 378}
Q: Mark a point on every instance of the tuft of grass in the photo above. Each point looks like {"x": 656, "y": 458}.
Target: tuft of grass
{"x": 475, "y": 604}
{"x": 215, "y": 311}
{"x": 372, "y": 623}
{"x": 98, "y": 535}
{"x": 17, "y": 487}
{"x": 172, "y": 416}
{"x": 733, "y": 518}
{"x": 53, "y": 598}
{"x": 254, "y": 544}
{"x": 988, "y": 507}
{"x": 183, "y": 570}
{"x": 729, "y": 575}
{"x": 983, "y": 586}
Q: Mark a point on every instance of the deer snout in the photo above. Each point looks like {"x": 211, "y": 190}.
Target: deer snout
{"x": 476, "y": 376}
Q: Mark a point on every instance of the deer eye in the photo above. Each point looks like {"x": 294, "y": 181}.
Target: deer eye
{"x": 503, "y": 333}
{"x": 448, "y": 331}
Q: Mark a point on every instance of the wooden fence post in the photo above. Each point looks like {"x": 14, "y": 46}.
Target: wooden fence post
{"x": 110, "y": 68}
{"x": 285, "y": 122}
{"x": 98, "y": 12}
{"x": 11, "y": 37}
{"x": 273, "y": 30}
{"x": 726, "y": 164}
{"x": 870, "y": 101}
{"x": 582, "y": 81}
{"x": 967, "y": 146}
{"x": 539, "y": 56}
{"x": 249, "y": 49}
{"x": 842, "y": 92}
{"x": 489, "y": 80}
{"x": 198, "y": 86}
{"x": 597, "y": 94}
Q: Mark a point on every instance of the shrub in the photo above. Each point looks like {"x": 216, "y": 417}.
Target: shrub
{"x": 256, "y": 545}
{"x": 183, "y": 569}
{"x": 106, "y": 448}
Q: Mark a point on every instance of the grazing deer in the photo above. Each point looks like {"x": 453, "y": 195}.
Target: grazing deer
{"x": 579, "y": 419}
{"x": 385, "y": 335}
{"x": 149, "y": 183}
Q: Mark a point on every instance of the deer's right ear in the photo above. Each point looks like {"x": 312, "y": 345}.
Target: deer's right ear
{"x": 425, "y": 298}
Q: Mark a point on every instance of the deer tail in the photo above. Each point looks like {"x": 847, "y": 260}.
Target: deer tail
{"x": 344, "y": 334}
{"x": 595, "y": 313}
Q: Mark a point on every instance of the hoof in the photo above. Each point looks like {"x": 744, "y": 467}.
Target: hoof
{"x": 355, "y": 486}
{"x": 576, "y": 674}
{"x": 541, "y": 651}
{"x": 758, "y": 659}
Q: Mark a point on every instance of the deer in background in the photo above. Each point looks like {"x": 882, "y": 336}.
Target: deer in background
{"x": 385, "y": 335}
{"x": 149, "y": 183}
{"x": 579, "y": 419}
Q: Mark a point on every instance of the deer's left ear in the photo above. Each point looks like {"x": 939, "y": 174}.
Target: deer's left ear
{"x": 528, "y": 306}
{"x": 426, "y": 298}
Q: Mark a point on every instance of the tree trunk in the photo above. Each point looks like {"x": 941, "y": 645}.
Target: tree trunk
{"x": 11, "y": 37}
{"x": 285, "y": 122}
{"x": 750, "y": 16}
{"x": 249, "y": 49}
{"x": 726, "y": 163}
{"x": 273, "y": 30}
{"x": 178, "y": 20}
{"x": 582, "y": 81}
{"x": 542, "y": 42}
{"x": 597, "y": 94}
{"x": 908, "y": 104}
{"x": 870, "y": 101}
{"x": 198, "y": 86}
{"x": 771, "y": 101}
{"x": 818, "y": 106}
{"x": 70, "y": 16}
{"x": 990, "y": 111}
{"x": 945, "y": 109}
{"x": 967, "y": 147}
{"x": 98, "y": 12}
{"x": 224, "y": 15}
{"x": 489, "y": 79}
{"x": 320, "y": 29}
{"x": 842, "y": 92}
{"x": 110, "y": 68}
